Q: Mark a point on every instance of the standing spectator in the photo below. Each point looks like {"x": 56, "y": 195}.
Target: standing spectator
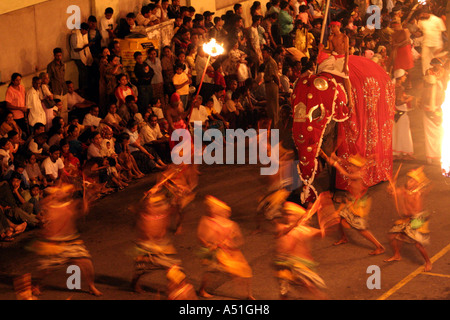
{"x": 94, "y": 36}
{"x": 167, "y": 63}
{"x": 126, "y": 26}
{"x": 144, "y": 75}
{"x": 255, "y": 43}
{"x": 174, "y": 9}
{"x": 402, "y": 143}
{"x": 272, "y": 84}
{"x": 181, "y": 83}
{"x": 122, "y": 90}
{"x": 157, "y": 80}
{"x": 286, "y": 23}
{"x": 113, "y": 69}
{"x": 15, "y": 102}
{"x": 432, "y": 28}
{"x": 56, "y": 71}
{"x": 81, "y": 54}
{"x": 34, "y": 103}
{"x": 48, "y": 102}
{"x": 107, "y": 27}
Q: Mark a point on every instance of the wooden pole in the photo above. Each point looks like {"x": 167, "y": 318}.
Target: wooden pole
{"x": 199, "y": 88}
{"x": 324, "y": 23}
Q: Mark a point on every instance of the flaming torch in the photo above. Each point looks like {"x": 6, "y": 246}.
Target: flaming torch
{"x": 445, "y": 143}
{"x": 212, "y": 49}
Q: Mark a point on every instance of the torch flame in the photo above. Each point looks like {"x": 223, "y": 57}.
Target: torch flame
{"x": 422, "y": 2}
{"x": 213, "y": 48}
{"x": 445, "y": 143}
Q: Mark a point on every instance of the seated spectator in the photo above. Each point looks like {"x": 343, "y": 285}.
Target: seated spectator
{"x": 114, "y": 178}
{"x": 52, "y": 166}
{"x": 34, "y": 196}
{"x": 56, "y": 133}
{"x": 92, "y": 121}
{"x": 8, "y": 125}
{"x": 8, "y": 229}
{"x": 6, "y": 156}
{"x": 198, "y": 113}
{"x": 16, "y": 142}
{"x": 37, "y": 129}
{"x": 18, "y": 211}
{"x": 19, "y": 170}
{"x": 72, "y": 165}
{"x": 128, "y": 110}
{"x": 146, "y": 158}
{"x": 94, "y": 173}
{"x": 108, "y": 143}
{"x": 113, "y": 120}
{"x": 75, "y": 146}
{"x": 152, "y": 136}
{"x": 37, "y": 146}
{"x": 34, "y": 171}
{"x": 76, "y": 104}
{"x": 126, "y": 160}
{"x": 95, "y": 147}
{"x": 215, "y": 120}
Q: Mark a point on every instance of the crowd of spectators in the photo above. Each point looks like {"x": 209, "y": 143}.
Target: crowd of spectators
{"x": 115, "y": 127}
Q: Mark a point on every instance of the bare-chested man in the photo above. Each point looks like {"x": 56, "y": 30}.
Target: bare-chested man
{"x": 175, "y": 116}
{"x": 59, "y": 242}
{"x": 413, "y": 228}
{"x": 221, "y": 239}
{"x": 154, "y": 250}
{"x": 294, "y": 261}
{"x": 337, "y": 62}
{"x": 353, "y": 212}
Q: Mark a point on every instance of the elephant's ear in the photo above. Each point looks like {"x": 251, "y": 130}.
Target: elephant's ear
{"x": 341, "y": 110}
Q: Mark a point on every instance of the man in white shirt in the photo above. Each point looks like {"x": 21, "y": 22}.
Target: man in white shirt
{"x": 107, "y": 26}
{"x": 152, "y": 136}
{"x": 52, "y": 166}
{"x": 34, "y": 103}
{"x": 432, "y": 28}
{"x": 81, "y": 54}
{"x": 92, "y": 120}
{"x": 199, "y": 112}
{"x": 76, "y": 104}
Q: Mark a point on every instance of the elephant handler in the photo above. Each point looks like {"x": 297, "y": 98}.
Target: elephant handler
{"x": 334, "y": 60}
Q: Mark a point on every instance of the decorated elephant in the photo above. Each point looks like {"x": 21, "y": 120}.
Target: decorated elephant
{"x": 320, "y": 109}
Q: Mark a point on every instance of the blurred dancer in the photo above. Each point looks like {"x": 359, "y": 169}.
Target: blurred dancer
{"x": 154, "y": 250}
{"x": 221, "y": 239}
{"x": 353, "y": 212}
{"x": 413, "y": 227}
{"x": 59, "y": 243}
{"x": 294, "y": 261}
{"x": 178, "y": 183}
{"x": 179, "y": 288}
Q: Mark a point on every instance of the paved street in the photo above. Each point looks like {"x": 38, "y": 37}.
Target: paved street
{"x": 108, "y": 233}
